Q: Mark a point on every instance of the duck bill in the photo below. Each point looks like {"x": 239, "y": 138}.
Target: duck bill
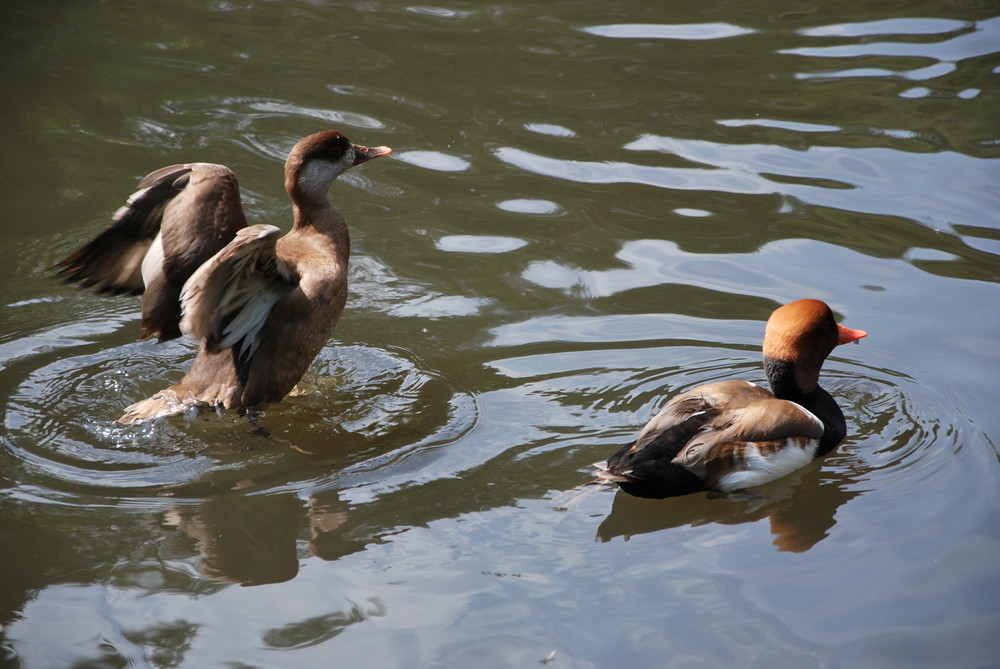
{"x": 362, "y": 154}
{"x": 846, "y": 335}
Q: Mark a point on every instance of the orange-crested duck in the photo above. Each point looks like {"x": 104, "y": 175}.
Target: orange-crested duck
{"x": 261, "y": 306}
{"x": 731, "y": 435}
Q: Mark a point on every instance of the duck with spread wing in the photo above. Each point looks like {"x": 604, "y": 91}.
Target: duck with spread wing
{"x": 260, "y": 304}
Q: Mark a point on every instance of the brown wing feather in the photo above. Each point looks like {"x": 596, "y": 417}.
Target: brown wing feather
{"x": 767, "y": 425}
{"x": 201, "y": 220}
{"x": 228, "y": 299}
{"x": 771, "y": 419}
{"x": 112, "y": 262}
{"x": 725, "y": 395}
{"x": 194, "y": 210}
{"x": 197, "y": 223}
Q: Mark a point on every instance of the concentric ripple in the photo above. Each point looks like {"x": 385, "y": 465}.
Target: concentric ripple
{"x": 903, "y": 440}
{"x": 356, "y": 402}
{"x": 902, "y": 435}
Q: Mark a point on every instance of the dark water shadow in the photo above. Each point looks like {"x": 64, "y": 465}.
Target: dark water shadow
{"x": 801, "y": 509}
{"x": 258, "y": 539}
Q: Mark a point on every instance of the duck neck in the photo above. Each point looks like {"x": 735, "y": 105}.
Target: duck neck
{"x": 314, "y": 214}
{"x": 308, "y": 188}
{"x": 309, "y": 204}
{"x": 785, "y": 380}
{"x": 781, "y": 374}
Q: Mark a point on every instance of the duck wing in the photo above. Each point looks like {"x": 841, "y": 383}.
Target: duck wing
{"x": 649, "y": 460}
{"x": 752, "y": 445}
{"x": 228, "y": 299}
{"x": 179, "y": 216}
{"x": 713, "y": 397}
{"x": 112, "y": 262}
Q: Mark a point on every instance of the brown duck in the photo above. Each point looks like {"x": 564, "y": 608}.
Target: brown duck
{"x": 731, "y": 435}
{"x": 261, "y": 306}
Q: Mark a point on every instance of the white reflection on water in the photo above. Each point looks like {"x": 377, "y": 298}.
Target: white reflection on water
{"x": 980, "y": 41}
{"x": 550, "y": 129}
{"x": 721, "y": 179}
{"x": 434, "y": 160}
{"x": 528, "y": 206}
{"x": 690, "y": 31}
{"x": 778, "y": 123}
{"x": 656, "y": 262}
{"x": 479, "y": 244}
{"x": 902, "y": 26}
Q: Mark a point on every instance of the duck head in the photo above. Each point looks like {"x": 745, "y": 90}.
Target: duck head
{"x": 798, "y": 338}
{"x": 317, "y": 160}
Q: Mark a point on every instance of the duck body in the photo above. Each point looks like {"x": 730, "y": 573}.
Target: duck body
{"x": 731, "y": 435}
{"x": 265, "y": 355}
{"x": 261, "y": 305}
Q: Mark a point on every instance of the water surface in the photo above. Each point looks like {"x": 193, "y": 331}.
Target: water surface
{"x": 588, "y": 209}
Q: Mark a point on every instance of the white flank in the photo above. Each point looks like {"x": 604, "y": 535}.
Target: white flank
{"x": 760, "y": 469}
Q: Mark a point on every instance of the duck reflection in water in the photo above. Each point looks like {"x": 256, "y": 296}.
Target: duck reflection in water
{"x": 254, "y": 539}
{"x": 261, "y": 305}
{"x": 250, "y": 540}
{"x": 801, "y": 509}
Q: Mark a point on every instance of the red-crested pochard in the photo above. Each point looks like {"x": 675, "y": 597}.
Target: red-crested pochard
{"x": 731, "y": 435}
{"x": 261, "y": 306}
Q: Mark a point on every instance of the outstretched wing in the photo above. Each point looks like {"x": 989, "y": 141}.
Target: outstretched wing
{"x": 180, "y": 216}
{"x": 227, "y": 301}
{"x": 112, "y": 262}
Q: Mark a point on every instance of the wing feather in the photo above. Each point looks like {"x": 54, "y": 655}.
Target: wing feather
{"x": 112, "y": 262}
{"x": 722, "y": 394}
{"x": 228, "y": 299}
{"x": 771, "y": 419}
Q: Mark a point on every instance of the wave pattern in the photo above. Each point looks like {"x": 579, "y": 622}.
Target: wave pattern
{"x": 564, "y": 237}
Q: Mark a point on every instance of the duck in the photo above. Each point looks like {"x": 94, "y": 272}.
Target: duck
{"x": 261, "y": 305}
{"x": 731, "y": 435}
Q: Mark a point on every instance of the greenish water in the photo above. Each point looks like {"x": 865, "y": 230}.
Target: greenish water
{"x": 588, "y": 209}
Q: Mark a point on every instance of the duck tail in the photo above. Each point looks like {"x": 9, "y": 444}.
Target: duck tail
{"x": 605, "y": 474}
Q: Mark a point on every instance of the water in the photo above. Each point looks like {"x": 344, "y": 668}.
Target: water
{"x": 589, "y": 208}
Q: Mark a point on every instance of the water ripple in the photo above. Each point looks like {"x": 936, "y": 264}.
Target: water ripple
{"x": 979, "y": 41}
{"x": 479, "y": 244}
{"x": 354, "y": 403}
{"x": 721, "y": 179}
{"x": 526, "y": 206}
{"x": 816, "y": 175}
{"x": 434, "y": 160}
{"x": 899, "y": 26}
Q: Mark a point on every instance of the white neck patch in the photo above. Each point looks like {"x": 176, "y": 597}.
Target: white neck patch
{"x": 317, "y": 175}
{"x": 315, "y": 179}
